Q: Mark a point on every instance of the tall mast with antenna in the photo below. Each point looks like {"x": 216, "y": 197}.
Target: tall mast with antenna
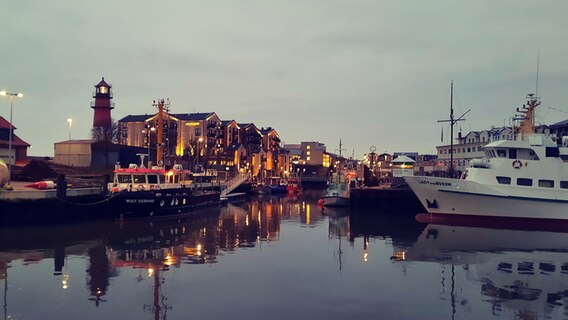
{"x": 537, "y": 67}
{"x": 452, "y": 122}
{"x": 162, "y": 108}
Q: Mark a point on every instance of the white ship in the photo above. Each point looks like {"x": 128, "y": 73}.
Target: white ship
{"x": 522, "y": 178}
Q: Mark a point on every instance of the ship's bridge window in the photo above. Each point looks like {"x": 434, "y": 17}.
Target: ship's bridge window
{"x": 153, "y": 178}
{"x": 526, "y": 154}
{"x": 553, "y": 152}
{"x": 546, "y": 183}
{"x": 564, "y": 184}
{"x": 503, "y": 180}
{"x": 139, "y": 178}
{"x": 501, "y": 153}
{"x": 124, "y": 178}
{"x": 512, "y": 153}
{"x": 524, "y": 182}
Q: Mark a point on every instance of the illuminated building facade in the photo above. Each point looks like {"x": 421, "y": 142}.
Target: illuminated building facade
{"x": 204, "y": 140}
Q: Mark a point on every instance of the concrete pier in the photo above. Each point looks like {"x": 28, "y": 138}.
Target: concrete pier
{"x": 23, "y": 194}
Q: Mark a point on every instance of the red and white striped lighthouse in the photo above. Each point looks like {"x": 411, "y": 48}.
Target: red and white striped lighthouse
{"x": 102, "y": 104}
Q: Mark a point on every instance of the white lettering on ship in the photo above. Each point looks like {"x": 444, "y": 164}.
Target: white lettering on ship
{"x": 435, "y": 183}
{"x": 139, "y": 200}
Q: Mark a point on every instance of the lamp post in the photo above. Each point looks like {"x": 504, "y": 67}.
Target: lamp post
{"x": 11, "y": 130}
{"x": 70, "y": 122}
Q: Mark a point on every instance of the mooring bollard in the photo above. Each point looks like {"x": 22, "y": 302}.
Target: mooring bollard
{"x": 61, "y": 187}
{"x": 61, "y": 194}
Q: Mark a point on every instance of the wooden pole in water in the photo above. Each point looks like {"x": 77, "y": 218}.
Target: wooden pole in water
{"x": 61, "y": 194}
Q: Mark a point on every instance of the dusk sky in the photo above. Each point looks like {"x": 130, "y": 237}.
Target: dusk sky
{"x": 367, "y": 72}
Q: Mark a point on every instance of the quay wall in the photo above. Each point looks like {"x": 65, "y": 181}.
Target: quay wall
{"x": 386, "y": 200}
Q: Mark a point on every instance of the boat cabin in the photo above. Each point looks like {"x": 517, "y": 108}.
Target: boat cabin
{"x": 134, "y": 178}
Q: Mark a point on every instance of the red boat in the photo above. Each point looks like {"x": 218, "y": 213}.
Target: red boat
{"x": 294, "y": 184}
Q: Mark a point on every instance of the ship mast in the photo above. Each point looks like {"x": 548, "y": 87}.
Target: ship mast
{"x": 527, "y": 114}
{"x": 452, "y": 122}
{"x": 162, "y": 107}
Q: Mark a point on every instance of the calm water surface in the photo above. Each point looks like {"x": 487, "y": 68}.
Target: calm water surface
{"x": 282, "y": 258}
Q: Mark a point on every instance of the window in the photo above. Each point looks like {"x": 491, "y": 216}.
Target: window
{"x": 503, "y": 180}
{"x": 552, "y": 152}
{"x": 546, "y": 183}
{"x": 139, "y": 178}
{"x": 512, "y": 153}
{"x": 198, "y": 132}
{"x": 124, "y": 179}
{"x": 468, "y": 149}
{"x": 524, "y": 182}
{"x": 501, "y": 153}
{"x": 564, "y": 184}
{"x": 152, "y": 178}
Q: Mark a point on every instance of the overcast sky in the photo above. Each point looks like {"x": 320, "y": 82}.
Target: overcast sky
{"x": 367, "y": 72}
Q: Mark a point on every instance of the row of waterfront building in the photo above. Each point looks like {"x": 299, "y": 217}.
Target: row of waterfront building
{"x": 205, "y": 140}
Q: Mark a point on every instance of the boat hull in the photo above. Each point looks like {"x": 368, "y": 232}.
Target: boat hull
{"x": 145, "y": 204}
{"x": 335, "y": 201}
{"x": 469, "y": 198}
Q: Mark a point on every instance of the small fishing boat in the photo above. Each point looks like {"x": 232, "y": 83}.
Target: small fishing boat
{"x": 260, "y": 189}
{"x": 294, "y": 185}
{"x": 338, "y": 192}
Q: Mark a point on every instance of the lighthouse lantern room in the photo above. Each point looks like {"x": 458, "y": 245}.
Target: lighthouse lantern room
{"x": 102, "y": 104}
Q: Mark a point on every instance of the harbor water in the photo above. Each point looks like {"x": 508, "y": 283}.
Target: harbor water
{"x": 282, "y": 258}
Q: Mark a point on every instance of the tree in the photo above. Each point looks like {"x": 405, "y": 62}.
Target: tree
{"x": 105, "y": 138}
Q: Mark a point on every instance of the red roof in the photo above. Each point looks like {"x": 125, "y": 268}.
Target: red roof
{"x": 4, "y": 124}
{"x": 102, "y": 83}
{"x": 16, "y": 142}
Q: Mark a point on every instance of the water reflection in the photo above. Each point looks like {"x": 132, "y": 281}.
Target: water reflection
{"x": 152, "y": 247}
{"x": 329, "y": 263}
{"x": 520, "y": 272}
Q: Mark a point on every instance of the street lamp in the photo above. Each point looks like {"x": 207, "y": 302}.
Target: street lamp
{"x": 11, "y": 95}
{"x": 70, "y": 121}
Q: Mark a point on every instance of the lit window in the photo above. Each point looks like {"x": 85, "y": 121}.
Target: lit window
{"x": 103, "y": 89}
{"x": 308, "y": 147}
{"x": 308, "y": 153}
{"x": 308, "y": 158}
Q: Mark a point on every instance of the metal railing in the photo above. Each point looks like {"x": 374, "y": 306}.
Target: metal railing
{"x": 232, "y": 184}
